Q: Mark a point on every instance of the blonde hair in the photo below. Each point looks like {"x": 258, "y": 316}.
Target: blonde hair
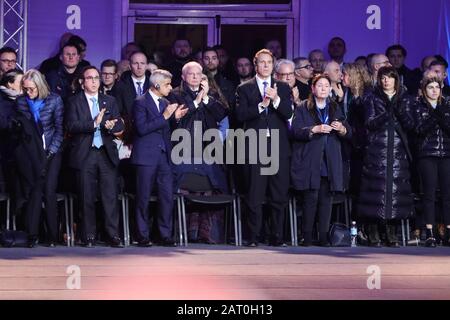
{"x": 260, "y": 52}
{"x": 40, "y": 82}
{"x": 359, "y": 78}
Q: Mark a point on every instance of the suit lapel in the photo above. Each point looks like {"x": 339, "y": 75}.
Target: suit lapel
{"x": 85, "y": 109}
{"x": 151, "y": 103}
{"x": 102, "y": 102}
{"x": 255, "y": 90}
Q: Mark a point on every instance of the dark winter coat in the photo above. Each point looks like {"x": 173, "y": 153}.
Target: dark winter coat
{"x": 308, "y": 149}
{"x": 385, "y": 191}
{"x": 432, "y": 128}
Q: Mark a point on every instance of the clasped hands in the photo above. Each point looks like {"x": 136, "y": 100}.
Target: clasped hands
{"x": 271, "y": 95}
{"x": 109, "y": 124}
{"x": 325, "y": 128}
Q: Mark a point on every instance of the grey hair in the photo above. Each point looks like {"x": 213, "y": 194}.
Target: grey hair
{"x": 191, "y": 64}
{"x": 159, "y": 75}
{"x": 280, "y": 62}
{"x": 40, "y": 82}
{"x": 298, "y": 61}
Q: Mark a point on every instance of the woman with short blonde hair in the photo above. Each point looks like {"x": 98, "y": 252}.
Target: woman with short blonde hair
{"x": 41, "y": 114}
{"x": 40, "y": 82}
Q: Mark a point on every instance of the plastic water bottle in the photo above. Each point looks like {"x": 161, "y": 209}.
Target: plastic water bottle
{"x": 353, "y": 233}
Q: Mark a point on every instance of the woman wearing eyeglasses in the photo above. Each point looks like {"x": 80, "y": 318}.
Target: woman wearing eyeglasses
{"x": 38, "y": 156}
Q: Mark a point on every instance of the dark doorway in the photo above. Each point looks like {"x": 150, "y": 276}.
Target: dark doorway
{"x": 157, "y": 39}
{"x": 246, "y": 40}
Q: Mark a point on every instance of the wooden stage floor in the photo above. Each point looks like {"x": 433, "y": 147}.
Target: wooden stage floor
{"x": 224, "y": 272}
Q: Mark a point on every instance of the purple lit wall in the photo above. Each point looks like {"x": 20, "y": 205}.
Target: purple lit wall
{"x": 322, "y": 20}
{"x": 98, "y": 22}
{"x": 422, "y": 26}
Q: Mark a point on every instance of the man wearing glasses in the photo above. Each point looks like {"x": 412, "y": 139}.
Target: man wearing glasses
{"x": 8, "y": 60}
{"x": 93, "y": 120}
{"x": 109, "y": 76}
{"x": 303, "y": 76}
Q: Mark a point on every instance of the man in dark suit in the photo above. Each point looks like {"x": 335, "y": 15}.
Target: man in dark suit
{"x": 132, "y": 84}
{"x": 151, "y": 156}
{"x": 264, "y": 104}
{"x": 93, "y": 120}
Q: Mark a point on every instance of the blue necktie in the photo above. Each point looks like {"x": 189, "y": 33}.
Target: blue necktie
{"x": 98, "y": 142}
{"x": 139, "y": 88}
{"x": 264, "y": 94}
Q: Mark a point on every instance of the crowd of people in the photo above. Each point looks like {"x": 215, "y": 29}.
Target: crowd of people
{"x": 371, "y": 129}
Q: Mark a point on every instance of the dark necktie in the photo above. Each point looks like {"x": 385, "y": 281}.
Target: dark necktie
{"x": 161, "y": 105}
{"x": 139, "y": 90}
{"x": 265, "y": 83}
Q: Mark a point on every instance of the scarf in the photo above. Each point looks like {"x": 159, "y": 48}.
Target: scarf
{"x": 35, "y": 106}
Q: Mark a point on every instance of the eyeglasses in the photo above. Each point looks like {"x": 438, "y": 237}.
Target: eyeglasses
{"x": 106, "y": 74}
{"x": 8, "y": 61}
{"x": 29, "y": 89}
{"x": 308, "y": 66}
{"x": 92, "y": 79}
{"x": 290, "y": 74}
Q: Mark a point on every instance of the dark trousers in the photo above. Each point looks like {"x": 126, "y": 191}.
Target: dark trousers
{"x": 98, "y": 171}
{"x": 146, "y": 177}
{"x": 317, "y": 203}
{"x": 435, "y": 172}
{"x": 44, "y": 190}
{"x": 275, "y": 190}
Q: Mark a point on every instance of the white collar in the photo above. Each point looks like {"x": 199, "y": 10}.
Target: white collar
{"x": 135, "y": 81}
{"x": 89, "y": 97}
{"x": 154, "y": 97}
{"x": 260, "y": 80}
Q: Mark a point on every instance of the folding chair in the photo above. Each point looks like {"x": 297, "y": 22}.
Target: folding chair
{"x": 198, "y": 183}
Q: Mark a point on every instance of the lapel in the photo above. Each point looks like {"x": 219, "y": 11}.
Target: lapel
{"x": 84, "y": 106}
{"x": 255, "y": 90}
{"x": 314, "y": 115}
{"x": 102, "y": 104}
{"x": 151, "y": 103}
{"x": 131, "y": 86}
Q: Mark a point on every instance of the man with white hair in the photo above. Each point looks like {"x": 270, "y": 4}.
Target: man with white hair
{"x": 151, "y": 156}
{"x": 285, "y": 72}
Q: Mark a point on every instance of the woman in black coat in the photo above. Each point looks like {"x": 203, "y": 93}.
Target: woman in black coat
{"x": 385, "y": 193}
{"x": 44, "y": 111}
{"x": 316, "y": 168}
{"x": 432, "y": 119}
{"x": 10, "y": 89}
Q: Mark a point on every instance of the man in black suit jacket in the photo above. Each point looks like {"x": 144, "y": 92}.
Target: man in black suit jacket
{"x": 93, "y": 121}
{"x": 264, "y": 104}
{"x": 132, "y": 84}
